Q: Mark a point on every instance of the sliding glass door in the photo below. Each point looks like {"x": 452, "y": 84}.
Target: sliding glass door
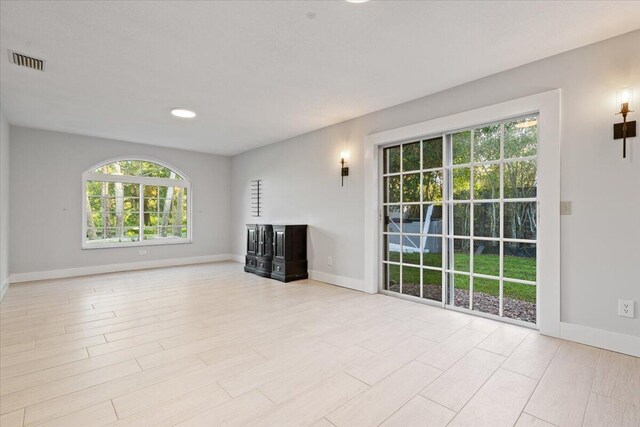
{"x": 459, "y": 219}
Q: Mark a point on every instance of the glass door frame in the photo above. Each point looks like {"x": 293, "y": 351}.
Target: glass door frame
{"x": 421, "y": 203}
{"x": 447, "y": 237}
{"x": 547, "y": 105}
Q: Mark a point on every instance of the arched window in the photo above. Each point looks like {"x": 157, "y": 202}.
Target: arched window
{"x": 131, "y": 202}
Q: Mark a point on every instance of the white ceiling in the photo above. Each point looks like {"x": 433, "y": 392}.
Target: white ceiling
{"x": 258, "y": 72}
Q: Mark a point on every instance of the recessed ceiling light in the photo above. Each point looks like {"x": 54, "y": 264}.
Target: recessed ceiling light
{"x": 357, "y": 1}
{"x": 183, "y": 113}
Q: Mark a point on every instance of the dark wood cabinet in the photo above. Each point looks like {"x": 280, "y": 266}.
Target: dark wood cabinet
{"x": 289, "y": 252}
{"x": 278, "y": 251}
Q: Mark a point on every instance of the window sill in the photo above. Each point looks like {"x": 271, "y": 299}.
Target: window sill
{"x": 90, "y": 246}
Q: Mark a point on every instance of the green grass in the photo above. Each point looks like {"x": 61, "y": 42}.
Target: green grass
{"x": 488, "y": 264}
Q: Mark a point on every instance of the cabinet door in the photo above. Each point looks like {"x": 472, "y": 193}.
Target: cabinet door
{"x": 251, "y": 241}
{"x": 260, "y": 248}
{"x": 267, "y": 250}
{"x": 279, "y": 244}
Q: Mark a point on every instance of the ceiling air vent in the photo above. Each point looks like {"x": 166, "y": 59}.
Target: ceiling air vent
{"x": 26, "y": 61}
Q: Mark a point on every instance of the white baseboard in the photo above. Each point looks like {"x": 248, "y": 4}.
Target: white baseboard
{"x": 620, "y": 343}
{"x": 4, "y": 287}
{"x": 238, "y": 258}
{"x": 320, "y": 276}
{"x": 111, "y": 268}
{"x": 332, "y": 279}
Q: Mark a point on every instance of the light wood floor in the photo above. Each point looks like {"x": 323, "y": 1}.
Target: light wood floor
{"x": 209, "y": 345}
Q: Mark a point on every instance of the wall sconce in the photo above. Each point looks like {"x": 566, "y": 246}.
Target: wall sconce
{"x": 625, "y": 129}
{"x": 344, "y": 170}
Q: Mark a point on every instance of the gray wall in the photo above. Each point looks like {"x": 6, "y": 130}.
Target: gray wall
{"x": 4, "y": 205}
{"x": 599, "y": 242}
{"x": 48, "y": 166}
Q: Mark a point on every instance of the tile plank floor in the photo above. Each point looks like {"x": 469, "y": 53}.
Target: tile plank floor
{"x": 208, "y": 345}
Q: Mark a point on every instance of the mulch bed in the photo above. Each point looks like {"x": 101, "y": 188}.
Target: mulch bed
{"x": 512, "y": 309}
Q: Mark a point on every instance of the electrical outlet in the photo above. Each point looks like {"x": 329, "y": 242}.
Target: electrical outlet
{"x": 626, "y": 308}
{"x": 142, "y": 252}
{"x": 565, "y": 208}
{"x": 330, "y": 260}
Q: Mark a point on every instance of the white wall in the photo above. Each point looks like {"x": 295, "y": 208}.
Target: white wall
{"x": 46, "y": 201}
{"x": 4, "y": 205}
{"x": 600, "y": 246}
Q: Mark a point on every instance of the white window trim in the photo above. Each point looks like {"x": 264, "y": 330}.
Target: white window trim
{"x": 547, "y": 105}
{"x": 185, "y": 182}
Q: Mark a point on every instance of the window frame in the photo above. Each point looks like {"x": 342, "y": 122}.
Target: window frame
{"x": 185, "y": 182}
